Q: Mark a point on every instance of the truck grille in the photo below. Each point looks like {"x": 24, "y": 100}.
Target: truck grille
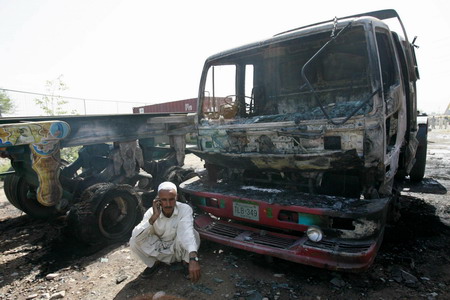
{"x": 272, "y": 241}
{"x": 250, "y": 237}
{"x": 339, "y": 246}
{"x": 224, "y": 230}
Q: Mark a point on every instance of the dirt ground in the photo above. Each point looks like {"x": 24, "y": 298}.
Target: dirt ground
{"x": 39, "y": 261}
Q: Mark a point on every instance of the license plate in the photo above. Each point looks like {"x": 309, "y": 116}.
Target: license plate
{"x": 246, "y": 211}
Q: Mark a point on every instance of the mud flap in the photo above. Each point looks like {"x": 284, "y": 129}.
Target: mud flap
{"x": 418, "y": 170}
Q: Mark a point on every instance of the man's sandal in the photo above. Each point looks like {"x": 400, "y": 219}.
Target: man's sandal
{"x": 149, "y": 271}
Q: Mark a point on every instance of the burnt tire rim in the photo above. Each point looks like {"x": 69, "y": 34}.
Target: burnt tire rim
{"x": 116, "y": 214}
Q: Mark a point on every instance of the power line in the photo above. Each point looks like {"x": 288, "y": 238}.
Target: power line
{"x": 67, "y": 97}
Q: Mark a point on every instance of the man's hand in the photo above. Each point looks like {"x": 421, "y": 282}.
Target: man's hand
{"x": 156, "y": 210}
{"x": 194, "y": 270}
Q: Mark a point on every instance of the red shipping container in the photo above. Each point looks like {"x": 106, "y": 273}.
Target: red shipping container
{"x": 179, "y": 106}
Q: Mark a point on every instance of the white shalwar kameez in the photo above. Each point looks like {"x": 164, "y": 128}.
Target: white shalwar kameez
{"x": 168, "y": 240}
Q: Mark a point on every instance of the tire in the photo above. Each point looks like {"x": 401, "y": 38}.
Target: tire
{"x": 7, "y": 187}
{"x": 418, "y": 170}
{"x": 108, "y": 213}
{"x": 22, "y": 196}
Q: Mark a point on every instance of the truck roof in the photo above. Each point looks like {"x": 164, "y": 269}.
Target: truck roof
{"x": 379, "y": 14}
{"x": 316, "y": 27}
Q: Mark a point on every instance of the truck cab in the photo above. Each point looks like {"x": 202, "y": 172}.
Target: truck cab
{"x": 303, "y": 135}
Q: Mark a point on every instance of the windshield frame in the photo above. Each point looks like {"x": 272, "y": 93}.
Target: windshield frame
{"x": 234, "y": 55}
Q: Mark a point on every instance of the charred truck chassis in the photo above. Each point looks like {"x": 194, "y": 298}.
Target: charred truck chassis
{"x": 303, "y": 135}
{"x": 101, "y": 191}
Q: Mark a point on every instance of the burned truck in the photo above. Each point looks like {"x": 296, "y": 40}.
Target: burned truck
{"x": 104, "y": 191}
{"x": 304, "y": 136}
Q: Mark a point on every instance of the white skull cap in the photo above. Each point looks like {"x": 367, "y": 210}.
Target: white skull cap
{"x": 167, "y": 186}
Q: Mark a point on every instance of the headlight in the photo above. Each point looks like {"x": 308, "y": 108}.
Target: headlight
{"x": 314, "y": 234}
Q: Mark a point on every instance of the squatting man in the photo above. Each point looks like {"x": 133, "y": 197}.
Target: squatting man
{"x": 166, "y": 234}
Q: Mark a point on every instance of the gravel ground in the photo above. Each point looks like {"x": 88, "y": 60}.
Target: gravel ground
{"x": 40, "y": 261}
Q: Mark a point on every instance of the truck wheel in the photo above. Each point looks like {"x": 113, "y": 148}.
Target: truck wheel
{"x": 22, "y": 196}
{"x": 7, "y": 187}
{"x": 418, "y": 170}
{"x": 107, "y": 213}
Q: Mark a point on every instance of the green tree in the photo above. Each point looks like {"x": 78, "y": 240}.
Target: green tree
{"x": 53, "y": 104}
{"x": 6, "y": 104}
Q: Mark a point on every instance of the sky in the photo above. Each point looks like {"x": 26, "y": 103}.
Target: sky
{"x": 153, "y": 51}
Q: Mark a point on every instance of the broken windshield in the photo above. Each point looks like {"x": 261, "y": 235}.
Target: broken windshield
{"x": 265, "y": 83}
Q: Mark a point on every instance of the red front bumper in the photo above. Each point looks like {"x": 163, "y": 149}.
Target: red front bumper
{"x": 335, "y": 255}
{"x": 274, "y": 222}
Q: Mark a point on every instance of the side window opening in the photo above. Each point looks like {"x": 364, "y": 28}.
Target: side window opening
{"x": 387, "y": 62}
{"x": 220, "y": 92}
{"x": 229, "y": 92}
{"x": 390, "y": 78}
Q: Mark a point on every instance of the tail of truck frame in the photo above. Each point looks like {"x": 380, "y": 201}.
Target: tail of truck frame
{"x": 303, "y": 136}
{"x": 103, "y": 191}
